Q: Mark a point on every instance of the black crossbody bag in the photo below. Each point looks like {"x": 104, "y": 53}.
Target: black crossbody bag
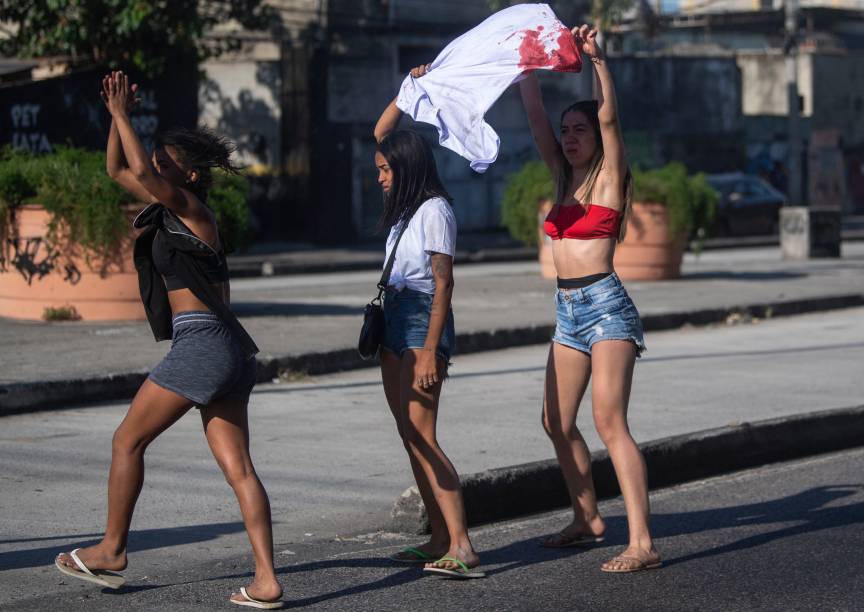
{"x": 372, "y": 332}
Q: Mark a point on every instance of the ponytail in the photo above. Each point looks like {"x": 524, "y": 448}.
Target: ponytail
{"x": 201, "y": 150}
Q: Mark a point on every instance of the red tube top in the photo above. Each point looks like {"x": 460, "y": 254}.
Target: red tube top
{"x": 581, "y": 222}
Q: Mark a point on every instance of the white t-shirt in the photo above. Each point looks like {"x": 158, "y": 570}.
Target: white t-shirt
{"x": 472, "y": 72}
{"x": 432, "y": 229}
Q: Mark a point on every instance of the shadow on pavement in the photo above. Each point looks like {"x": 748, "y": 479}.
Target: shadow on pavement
{"x": 806, "y": 509}
{"x": 146, "y": 539}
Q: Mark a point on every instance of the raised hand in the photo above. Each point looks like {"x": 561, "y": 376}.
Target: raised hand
{"x": 586, "y": 41}
{"x": 420, "y": 70}
{"x": 117, "y": 94}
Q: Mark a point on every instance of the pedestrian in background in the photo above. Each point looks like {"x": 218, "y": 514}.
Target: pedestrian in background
{"x": 419, "y": 333}
{"x": 598, "y": 335}
{"x": 183, "y": 275}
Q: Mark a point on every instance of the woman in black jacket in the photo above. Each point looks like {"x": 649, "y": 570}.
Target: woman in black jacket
{"x": 211, "y": 364}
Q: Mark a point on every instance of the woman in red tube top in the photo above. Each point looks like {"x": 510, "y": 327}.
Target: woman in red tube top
{"x": 598, "y": 329}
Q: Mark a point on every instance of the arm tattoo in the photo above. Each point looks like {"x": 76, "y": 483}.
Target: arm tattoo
{"x": 442, "y": 268}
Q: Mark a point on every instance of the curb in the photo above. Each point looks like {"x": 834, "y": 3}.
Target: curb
{"x": 16, "y": 398}
{"x": 530, "y": 488}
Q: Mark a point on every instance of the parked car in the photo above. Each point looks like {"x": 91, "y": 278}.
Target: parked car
{"x": 747, "y": 206}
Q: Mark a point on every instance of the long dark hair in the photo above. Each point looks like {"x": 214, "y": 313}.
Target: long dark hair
{"x": 415, "y": 176}
{"x": 201, "y": 150}
{"x": 590, "y": 108}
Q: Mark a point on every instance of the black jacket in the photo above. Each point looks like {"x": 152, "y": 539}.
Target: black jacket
{"x": 186, "y": 251}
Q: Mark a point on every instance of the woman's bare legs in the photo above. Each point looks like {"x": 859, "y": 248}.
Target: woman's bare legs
{"x": 567, "y": 374}
{"x": 227, "y": 428}
{"x": 418, "y": 415}
{"x": 612, "y": 364}
{"x": 153, "y": 410}
{"x": 439, "y": 542}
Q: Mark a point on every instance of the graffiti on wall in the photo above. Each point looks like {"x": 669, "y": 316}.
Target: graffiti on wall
{"x": 36, "y": 115}
{"x": 826, "y": 170}
{"x": 26, "y": 135}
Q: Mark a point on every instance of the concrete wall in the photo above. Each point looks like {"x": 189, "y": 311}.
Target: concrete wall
{"x": 838, "y": 86}
{"x": 763, "y": 76}
{"x": 240, "y": 98}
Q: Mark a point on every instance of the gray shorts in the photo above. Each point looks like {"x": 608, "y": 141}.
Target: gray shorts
{"x": 205, "y": 362}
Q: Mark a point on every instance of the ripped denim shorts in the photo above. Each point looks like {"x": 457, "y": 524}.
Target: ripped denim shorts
{"x": 600, "y": 311}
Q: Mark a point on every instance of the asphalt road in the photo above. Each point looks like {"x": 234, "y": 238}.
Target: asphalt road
{"x": 782, "y": 537}
{"x": 327, "y": 451}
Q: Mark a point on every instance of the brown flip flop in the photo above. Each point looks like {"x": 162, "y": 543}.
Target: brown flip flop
{"x": 631, "y": 564}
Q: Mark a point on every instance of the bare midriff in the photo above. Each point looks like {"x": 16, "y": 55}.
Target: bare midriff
{"x": 576, "y": 258}
{"x": 183, "y": 300}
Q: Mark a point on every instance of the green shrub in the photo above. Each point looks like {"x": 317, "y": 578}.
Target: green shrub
{"x": 523, "y": 193}
{"x": 228, "y": 198}
{"x": 86, "y": 205}
{"x": 16, "y": 188}
{"x": 61, "y": 313}
{"x": 690, "y": 201}
{"x": 83, "y": 200}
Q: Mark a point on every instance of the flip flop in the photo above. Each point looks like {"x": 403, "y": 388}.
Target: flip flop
{"x": 463, "y": 571}
{"x": 256, "y": 603}
{"x": 106, "y": 579}
{"x": 579, "y": 539}
{"x": 632, "y": 564}
{"x": 419, "y": 556}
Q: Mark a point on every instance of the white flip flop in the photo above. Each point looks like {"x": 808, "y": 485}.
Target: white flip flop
{"x": 102, "y": 578}
{"x": 256, "y": 603}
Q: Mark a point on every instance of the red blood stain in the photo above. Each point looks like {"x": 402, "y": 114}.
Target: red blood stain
{"x": 532, "y": 54}
{"x": 565, "y": 57}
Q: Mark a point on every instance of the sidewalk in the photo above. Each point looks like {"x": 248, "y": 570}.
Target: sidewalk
{"x": 309, "y": 323}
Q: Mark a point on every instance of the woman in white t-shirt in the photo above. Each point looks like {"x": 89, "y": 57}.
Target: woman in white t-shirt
{"x": 419, "y": 335}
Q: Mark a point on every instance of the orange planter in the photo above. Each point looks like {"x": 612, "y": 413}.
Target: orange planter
{"x": 33, "y": 280}
{"x": 649, "y": 251}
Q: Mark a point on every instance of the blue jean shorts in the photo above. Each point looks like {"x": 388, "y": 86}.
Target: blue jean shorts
{"x": 406, "y": 322}
{"x": 600, "y": 311}
{"x": 205, "y": 362}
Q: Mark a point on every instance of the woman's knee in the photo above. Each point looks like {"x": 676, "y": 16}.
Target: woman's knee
{"x": 237, "y": 471}
{"x": 611, "y": 426}
{"x": 558, "y": 432}
{"x": 416, "y": 441}
{"x": 129, "y": 442}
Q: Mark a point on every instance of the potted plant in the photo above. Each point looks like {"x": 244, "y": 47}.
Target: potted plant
{"x": 669, "y": 206}
{"x": 67, "y": 236}
{"x": 528, "y": 197}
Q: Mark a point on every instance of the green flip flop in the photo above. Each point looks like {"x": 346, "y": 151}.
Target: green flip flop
{"x": 463, "y": 572}
{"x": 418, "y": 556}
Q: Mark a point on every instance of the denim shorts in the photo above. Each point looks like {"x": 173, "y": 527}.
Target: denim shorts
{"x": 600, "y": 311}
{"x": 205, "y": 362}
{"x": 406, "y": 322}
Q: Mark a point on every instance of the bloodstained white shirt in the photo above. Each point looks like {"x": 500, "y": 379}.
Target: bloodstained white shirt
{"x": 472, "y": 72}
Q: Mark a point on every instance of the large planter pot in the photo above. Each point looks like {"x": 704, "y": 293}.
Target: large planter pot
{"x": 34, "y": 279}
{"x": 544, "y": 242}
{"x": 649, "y": 251}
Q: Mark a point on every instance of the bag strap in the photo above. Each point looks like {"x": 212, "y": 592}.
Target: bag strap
{"x": 388, "y": 269}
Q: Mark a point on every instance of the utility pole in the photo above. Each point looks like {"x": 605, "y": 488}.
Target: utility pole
{"x": 790, "y": 49}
